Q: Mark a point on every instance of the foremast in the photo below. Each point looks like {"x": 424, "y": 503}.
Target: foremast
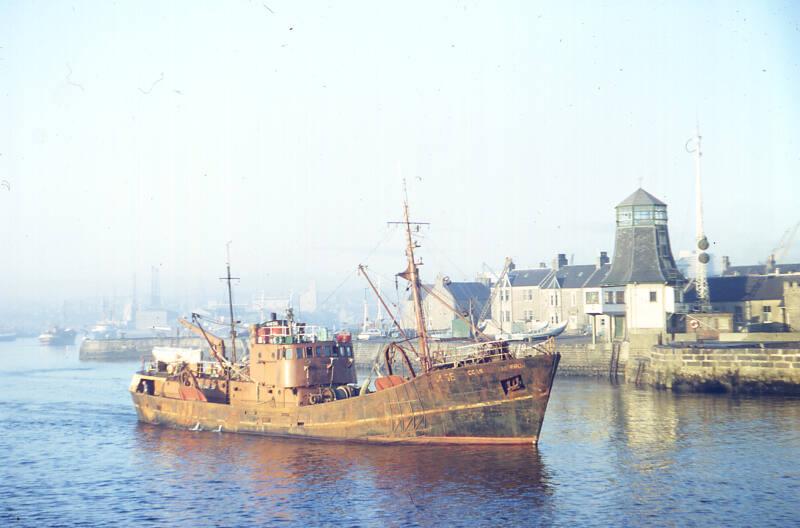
{"x": 411, "y": 274}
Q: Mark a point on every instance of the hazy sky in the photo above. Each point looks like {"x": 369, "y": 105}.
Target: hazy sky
{"x": 150, "y": 133}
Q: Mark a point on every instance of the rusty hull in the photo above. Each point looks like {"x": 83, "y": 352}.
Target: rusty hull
{"x": 500, "y": 402}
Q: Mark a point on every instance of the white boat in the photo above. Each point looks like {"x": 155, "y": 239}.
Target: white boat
{"x": 371, "y": 333}
{"x": 369, "y": 329}
{"x": 536, "y": 334}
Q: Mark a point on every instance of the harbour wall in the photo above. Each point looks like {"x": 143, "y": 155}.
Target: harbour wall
{"x": 708, "y": 369}
{"x": 136, "y": 348}
{"x": 579, "y": 359}
{"x": 754, "y": 363}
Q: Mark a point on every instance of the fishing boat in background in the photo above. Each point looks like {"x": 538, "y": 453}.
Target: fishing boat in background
{"x": 371, "y": 330}
{"x": 8, "y": 335}
{"x": 57, "y": 336}
{"x": 297, "y": 381}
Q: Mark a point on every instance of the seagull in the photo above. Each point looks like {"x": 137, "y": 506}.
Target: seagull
{"x": 196, "y": 427}
{"x": 219, "y": 429}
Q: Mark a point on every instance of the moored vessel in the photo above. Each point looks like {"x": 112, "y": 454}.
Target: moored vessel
{"x": 57, "y": 336}
{"x": 298, "y": 381}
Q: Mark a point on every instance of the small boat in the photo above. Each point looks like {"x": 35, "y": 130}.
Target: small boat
{"x": 371, "y": 334}
{"x": 57, "y": 336}
{"x": 371, "y": 330}
{"x": 537, "y": 334}
{"x": 8, "y": 336}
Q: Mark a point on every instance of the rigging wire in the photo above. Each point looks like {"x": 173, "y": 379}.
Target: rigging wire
{"x": 353, "y": 272}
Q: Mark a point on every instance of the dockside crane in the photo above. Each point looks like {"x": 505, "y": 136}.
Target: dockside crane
{"x": 786, "y": 242}
{"x": 507, "y": 267}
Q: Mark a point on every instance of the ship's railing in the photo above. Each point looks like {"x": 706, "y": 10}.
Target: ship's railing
{"x": 210, "y": 369}
{"x": 490, "y": 350}
{"x": 289, "y": 334}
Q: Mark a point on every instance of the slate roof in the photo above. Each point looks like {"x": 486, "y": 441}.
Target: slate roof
{"x": 463, "y": 292}
{"x": 640, "y": 197}
{"x": 760, "y": 269}
{"x": 572, "y": 276}
{"x": 528, "y": 277}
{"x": 596, "y": 278}
{"x": 743, "y": 288}
{"x": 637, "y": 260}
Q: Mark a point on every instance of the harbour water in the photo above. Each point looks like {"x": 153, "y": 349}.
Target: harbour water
{"x": 73, "y": 454}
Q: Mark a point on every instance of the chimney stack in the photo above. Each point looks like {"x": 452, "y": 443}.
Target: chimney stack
{"x": 603, "y": 259}
{"x": 560, "y": 261}
{"x": 770, "y": 267}
{"x": 726, "y": 263}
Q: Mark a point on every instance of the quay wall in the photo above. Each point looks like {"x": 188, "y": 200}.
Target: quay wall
{"x": 593, "y": 360}
{"x": 708, "y": 369}
{"x": 136, "y": 348}
{"x": 580, "y": 359}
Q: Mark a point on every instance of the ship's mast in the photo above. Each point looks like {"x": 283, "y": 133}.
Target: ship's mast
{"x": 228, "y": 278}
{"x": 701, "y": 257}
{"x": 411, "y": 274}
{"x": 378, "y": 314}
{"x": 365, "y": 321}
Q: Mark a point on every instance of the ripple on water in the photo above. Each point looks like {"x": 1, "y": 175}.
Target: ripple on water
{"x": 74, "y": 455}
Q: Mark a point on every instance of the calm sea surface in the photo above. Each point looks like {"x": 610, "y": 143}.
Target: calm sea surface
{"x": 73, "y": 454}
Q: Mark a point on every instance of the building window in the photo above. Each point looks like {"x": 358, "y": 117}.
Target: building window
{"x": 639, "y": 214}
{"x": 653, "y": 296}
{"x": 592, "y": 298}
{"x": 529, "y": 295}
{"x": 767, "y": 311}
{"x": 609, "y": 297}
{"x": 573, "y": 299}
{"x": 620, "y": 297}
{"x": 506, "y": 316}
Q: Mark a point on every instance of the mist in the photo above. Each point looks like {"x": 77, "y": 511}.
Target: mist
{"x": 142, "y": 135}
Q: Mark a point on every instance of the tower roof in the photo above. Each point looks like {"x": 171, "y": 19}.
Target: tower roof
{"x": 640, "y": 197}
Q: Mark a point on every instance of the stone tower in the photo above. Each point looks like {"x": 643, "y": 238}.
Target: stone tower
{"x": 643, "y": 287}
{"x": 642, "y": 253}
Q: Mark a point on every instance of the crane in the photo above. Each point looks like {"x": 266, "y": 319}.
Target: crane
{"x": 785, "y": 243}
{"x": 508, "y": 266}
{"x": 216, "y": 344}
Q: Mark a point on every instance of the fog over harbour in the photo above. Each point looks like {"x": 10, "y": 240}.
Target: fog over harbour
{"x": 148, "y": 134}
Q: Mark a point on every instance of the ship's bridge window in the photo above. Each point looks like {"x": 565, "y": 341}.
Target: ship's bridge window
{"x": 349, "y": 351}
{"x": 299, "y": 353}
{"x": 287, "y": 353}
{"x": 335, "y": 351}
{"x": 309, "y": 352}
{"x": 318, "y": 351}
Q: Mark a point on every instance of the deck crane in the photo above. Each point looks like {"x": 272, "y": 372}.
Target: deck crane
{"x": 216, "y": 344}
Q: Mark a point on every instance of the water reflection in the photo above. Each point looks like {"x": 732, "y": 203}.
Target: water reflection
{"x": 75, "y": 456}
{"x": 283, "y": 475}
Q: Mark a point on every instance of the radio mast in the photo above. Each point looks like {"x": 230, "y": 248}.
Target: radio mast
{"x": 703, "y": 303}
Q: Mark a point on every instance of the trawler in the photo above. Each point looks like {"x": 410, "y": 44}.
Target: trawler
{"x": 298, "y": 381}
